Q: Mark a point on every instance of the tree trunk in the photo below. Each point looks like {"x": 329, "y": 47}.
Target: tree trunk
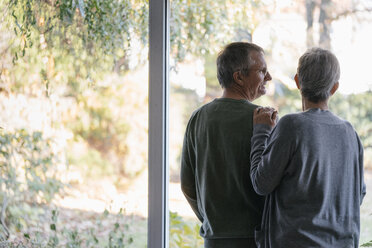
{"x": 325, "y": 24}
{"x": 121, "y": 64}
{"x": 310, "y": 6}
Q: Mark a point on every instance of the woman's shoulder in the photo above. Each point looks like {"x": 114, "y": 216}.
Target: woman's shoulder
{"x": 290, "y": 119}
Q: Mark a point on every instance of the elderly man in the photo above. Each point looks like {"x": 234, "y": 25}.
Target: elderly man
{"x": 310, "y": 166}
{"x": 216, "y": 151}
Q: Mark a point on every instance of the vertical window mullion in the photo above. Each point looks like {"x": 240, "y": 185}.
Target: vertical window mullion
{"x": 158, "y": 223}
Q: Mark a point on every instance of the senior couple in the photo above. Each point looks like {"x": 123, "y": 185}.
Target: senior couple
{"x": 254, "y": 181}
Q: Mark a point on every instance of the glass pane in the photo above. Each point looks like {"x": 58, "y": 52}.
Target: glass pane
{"x": 200, "y": 29}
{"x": 74, "y": 122}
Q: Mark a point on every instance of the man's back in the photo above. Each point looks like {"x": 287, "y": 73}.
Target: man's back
{"x": 215, "y": 169}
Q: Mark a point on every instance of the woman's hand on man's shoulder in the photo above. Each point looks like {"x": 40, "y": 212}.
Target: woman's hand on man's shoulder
{"x": 265, "y": 115}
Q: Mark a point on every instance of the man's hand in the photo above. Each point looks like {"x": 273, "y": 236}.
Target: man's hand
{"x": 265, "y": 115}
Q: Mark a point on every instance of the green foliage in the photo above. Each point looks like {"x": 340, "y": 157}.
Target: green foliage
{"x": 102, "y": 125}
{"x": 72, "y": 42}
{"x": 193, "y": 26}
{"x": 117, "y": 236}
{"x": 357, "y": 109}
{"x": 90, "y": 162}
{"x": 75, "y": 31}
{"x": 56, "y": 236}
{"x": 200, "y": 27}
{"x": 368, "y": 244}
{"x": 184, "y": 234}
{"x": 99, "y": 24}
{"x": 26, "y": 163}
{"x": 27, "y": 175}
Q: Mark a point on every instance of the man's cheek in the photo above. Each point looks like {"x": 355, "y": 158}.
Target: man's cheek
{"x": 262, "y": 90}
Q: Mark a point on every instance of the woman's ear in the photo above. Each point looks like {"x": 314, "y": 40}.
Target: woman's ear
{"x": 237, "y": 76}
{"x": 334, "y": 88}
{"x": 297, "y": 82}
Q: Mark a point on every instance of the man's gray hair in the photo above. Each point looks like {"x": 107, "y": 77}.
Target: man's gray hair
{"x": 235, "y": 57}
{"x": 318, "y": 70}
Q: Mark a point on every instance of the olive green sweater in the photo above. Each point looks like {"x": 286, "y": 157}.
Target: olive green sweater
{"x": 215, "y": 169}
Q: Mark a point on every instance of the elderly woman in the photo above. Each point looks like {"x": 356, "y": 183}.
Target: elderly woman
{"x": 310, "y": 166}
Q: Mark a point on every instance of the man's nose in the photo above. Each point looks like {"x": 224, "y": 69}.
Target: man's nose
{"x": 268, "y": 76}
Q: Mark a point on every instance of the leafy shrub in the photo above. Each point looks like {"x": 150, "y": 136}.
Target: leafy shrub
{"x": 112, "y": 118}
{"x": 368, "y": 244}
{"x": 184, "y": 234}
{"x": 90, "y": 162}
{"x": 114, "y": 236}
{"x": 27, "y": 176}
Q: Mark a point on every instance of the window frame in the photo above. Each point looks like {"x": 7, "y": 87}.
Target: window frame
{"x": 158, "y": 166}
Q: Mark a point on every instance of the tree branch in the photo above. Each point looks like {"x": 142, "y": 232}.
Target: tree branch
{"x": 2, "y": 217}
{"x": 5, "y": 50}
{"x": 49, "y": 2}
{"x": 366, "y": 147}
{"x": 349, "y": 12}
{"x": 121, "y": 62}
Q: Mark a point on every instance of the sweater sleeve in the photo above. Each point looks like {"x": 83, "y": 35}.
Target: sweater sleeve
{"x": 188, "y": 178}
{"x": 361, "y": 166}
{"x": 270, "y": 154}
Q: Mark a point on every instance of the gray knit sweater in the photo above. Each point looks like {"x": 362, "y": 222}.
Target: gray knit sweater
{"x": 310, "y": 167}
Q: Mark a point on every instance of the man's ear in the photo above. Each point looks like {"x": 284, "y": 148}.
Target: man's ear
{"x": 237, "y": 76}
{"x": 297, "y": 82}
{"x": 334, "y": 88}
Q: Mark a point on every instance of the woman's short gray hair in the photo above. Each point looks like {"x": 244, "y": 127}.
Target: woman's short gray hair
{"x": 318, "y": 70}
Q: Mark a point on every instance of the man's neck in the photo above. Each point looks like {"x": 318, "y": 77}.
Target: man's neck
{"x": 306, "y": 104}
{"x": 235, "y": 93}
